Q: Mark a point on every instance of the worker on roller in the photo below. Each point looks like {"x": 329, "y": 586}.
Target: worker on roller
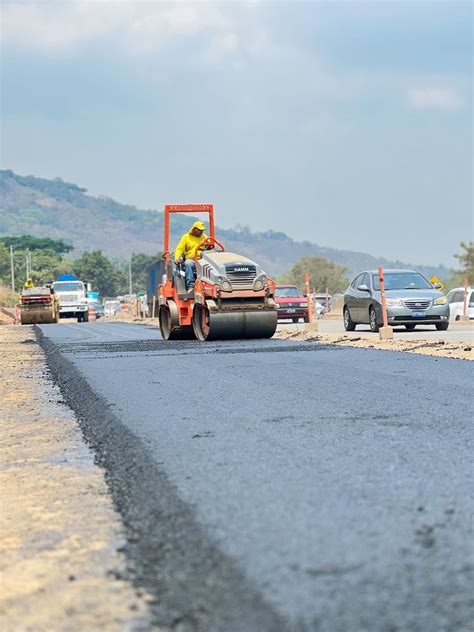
{"x": 28, "y": 284}
{"x": 187, "y": 246}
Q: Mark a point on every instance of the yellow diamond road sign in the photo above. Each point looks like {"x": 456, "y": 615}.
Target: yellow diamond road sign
{"x": 434, "y": 279}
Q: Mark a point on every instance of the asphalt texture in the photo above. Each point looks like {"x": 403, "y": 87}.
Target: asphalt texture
{"x": 271, "y": 485}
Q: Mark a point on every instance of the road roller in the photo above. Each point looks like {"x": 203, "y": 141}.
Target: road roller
{"x": 233, "y": 298}
{"x": 38, "y": 305}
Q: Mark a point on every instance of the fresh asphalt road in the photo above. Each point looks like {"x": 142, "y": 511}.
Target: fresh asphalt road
{"x": 273, "y": 485}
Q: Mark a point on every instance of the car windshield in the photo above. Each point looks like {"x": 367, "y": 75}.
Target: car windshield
{"x": 68, "y": 287}
{"x": 288, "y": 292}
{"x": 402, "y": 281}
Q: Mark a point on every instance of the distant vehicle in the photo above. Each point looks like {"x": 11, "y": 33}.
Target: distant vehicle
{"x": 411, "y": 300}
{"x": 99, "y": 308}
{"x": 456, "y": 303}
{"x": 111, "y": 307}
{"x": 72, "y": 297}
{"x": 291, "y": 303}
{"x": 154, "y": 277}
{"x": 320, "y": 303}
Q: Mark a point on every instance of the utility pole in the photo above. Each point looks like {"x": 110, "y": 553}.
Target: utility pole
{"x": 130, "y": 275}
{"x": 12, "y": 268}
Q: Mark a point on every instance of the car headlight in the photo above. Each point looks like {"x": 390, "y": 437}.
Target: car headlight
{"x": 258, "y": 285}
{"x": 226, "y": 286}
{"x": 303, "y": 304}
{"x": 441, "y": 300}
{"x": 394, "y": 302}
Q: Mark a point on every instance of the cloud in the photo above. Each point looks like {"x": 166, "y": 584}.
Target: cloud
{"x": 136, "y": 27}
{"x": 435, "y": 99}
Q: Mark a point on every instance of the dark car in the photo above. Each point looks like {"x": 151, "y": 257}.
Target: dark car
{"x": 291, "y": 303}
{"x": 411, "y": 300}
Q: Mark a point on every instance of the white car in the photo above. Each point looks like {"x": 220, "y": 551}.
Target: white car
{"x": 456, "y": 303}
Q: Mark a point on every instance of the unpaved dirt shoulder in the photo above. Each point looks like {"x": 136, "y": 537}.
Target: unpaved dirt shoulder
{"x": 60, "y": 568}
{"x": 438, "y": 348}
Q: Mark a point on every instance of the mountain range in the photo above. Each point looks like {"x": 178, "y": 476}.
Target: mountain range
{"x": 62, "y": 210}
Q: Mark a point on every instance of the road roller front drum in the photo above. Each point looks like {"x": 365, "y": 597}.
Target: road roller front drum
{"x": 230, "y": 325}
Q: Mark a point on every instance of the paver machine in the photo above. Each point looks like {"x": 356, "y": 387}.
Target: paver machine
{"x": 233, "y": 297}
{"x": 38, "y": 305}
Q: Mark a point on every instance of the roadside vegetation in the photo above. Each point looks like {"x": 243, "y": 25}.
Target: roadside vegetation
{"x": 466, "y": 270}
{"x": 327, "y": 274}
{"x": 48, "y": 258}
{"x": 322, "y": 273}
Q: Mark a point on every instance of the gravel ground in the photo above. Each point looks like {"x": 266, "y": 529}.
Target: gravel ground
{"x": 60, "y": 569}
{"x": 435, "y": 346}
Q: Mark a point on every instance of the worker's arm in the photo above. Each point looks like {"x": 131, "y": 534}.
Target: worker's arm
{"x": 201, "y": 250}
{"x": 181, "y": 247}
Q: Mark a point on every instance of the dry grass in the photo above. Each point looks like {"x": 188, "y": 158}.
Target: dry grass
{"x": 7, "y": 297}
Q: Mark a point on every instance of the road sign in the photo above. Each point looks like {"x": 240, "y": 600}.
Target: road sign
{"x": 434, "y": 279}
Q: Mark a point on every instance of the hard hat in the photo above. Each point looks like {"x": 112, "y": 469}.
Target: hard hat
{"x": 199, "y": 225}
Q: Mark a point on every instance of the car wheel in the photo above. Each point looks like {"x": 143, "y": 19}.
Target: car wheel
{"x": 306, "y": 319}
{"x": 80, "y": 318}
{"x": 349, "y": 324}
{"x": 458, "y": 317}
{"x": 295, "y": 320}
{"x": 442, "y": 326}
{"x": 410, "y": 327}
{"x": 374, "y": 326}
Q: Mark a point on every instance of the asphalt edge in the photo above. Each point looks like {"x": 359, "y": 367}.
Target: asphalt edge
{"x": 195, "y": 586}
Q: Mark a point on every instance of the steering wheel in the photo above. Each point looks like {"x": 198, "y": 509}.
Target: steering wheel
{"x": 208, "y": 244}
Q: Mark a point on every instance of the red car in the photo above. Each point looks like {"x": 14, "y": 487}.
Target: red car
{"x": 291, "y": 303}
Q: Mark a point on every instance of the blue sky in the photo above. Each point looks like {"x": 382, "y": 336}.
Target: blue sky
{"x": 345, "y": 123}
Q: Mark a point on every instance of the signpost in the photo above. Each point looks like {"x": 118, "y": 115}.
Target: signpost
{"x": 465, "y": 316}
{"x": 385, "y": 332}
{"x": 311, "y": 325}
{"x": 434, "y": 279}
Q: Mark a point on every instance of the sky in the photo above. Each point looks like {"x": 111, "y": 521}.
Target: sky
{"x": 348, "y": 124}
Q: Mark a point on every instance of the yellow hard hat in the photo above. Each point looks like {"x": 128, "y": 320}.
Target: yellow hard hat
{"x": 199, "y": 225}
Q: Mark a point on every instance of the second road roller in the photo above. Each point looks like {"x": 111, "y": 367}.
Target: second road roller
{"x": 38, "y": 305}
{"x": 232, "y": 298}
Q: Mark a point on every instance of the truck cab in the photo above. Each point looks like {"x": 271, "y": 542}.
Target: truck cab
{"x": 72, "y": 295}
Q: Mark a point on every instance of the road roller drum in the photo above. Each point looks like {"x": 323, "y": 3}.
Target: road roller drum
{"x": 38, "y": 305}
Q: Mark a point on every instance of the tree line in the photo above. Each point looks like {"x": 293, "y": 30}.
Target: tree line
{"x": 48, "y": 258}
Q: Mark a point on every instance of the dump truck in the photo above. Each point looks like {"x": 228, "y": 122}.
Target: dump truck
{"x": 233, "y": 297}
{"x": 38, "y": 305}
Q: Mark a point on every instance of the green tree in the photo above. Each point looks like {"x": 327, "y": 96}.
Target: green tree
{"x": 140, "y": 265}
{"x": 5, "y": 277}
{"x": 94, "y": 267}
{"x": 466, "y": 259}
{"x": 28, "y": 242}
{"x": 46, "y": 266}
{"x": 322, "y": 274}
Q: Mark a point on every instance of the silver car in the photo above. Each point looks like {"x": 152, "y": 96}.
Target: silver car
{"x": 411, "y": 300}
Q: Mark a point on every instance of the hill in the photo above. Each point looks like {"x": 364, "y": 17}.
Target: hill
{"x": 61, "y": 210}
